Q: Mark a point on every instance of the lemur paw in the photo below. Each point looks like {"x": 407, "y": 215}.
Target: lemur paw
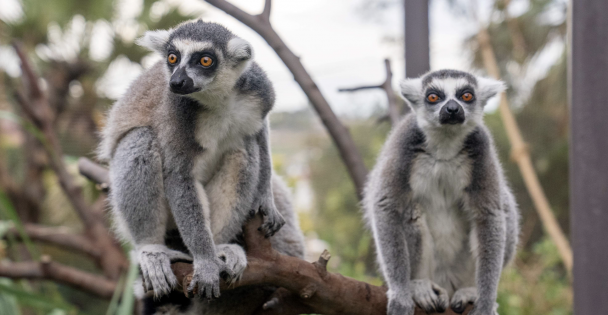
{"x": 462, "y": 298}
{"x": 206, "y": 277}
{"x": 235, "y": 258}
{"x": 155, "y": 263}
{"x": 273, "y": 221}
{"x": 429, "y": 296}
{"x": 400, "y": 304}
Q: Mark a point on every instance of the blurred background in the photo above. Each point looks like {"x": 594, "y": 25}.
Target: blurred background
{"x": 85, "y": 56}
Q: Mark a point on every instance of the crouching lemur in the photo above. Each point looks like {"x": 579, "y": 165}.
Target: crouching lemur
{"x": 189, "y": 159}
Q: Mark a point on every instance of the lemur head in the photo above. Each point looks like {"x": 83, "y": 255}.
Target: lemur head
{"x": 447, "y": 99}
{"x": 202, "y": 58}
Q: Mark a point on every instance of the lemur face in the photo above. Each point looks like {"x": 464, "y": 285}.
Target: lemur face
{"x": 449, "y": 97}
{"x": 200, "y": 56}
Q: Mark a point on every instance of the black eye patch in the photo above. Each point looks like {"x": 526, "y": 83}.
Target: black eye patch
{"x": 433, "y": 91}
{"x": 465, "y": 89}
{"x": 195, "y": 60}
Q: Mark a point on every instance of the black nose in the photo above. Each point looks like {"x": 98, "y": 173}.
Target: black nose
{"x": 452, "y": 108}
{"x": 177, "y": 84}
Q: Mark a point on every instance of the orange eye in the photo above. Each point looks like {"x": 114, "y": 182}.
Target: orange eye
{"x": 206, "y": 61}
{"x": 432, "y": 98}
{"x": 467, "y": 97}
{"x": 172, "y": 58}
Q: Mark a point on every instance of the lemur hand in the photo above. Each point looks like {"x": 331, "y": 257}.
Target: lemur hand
{"x": 155, "y": 263}
{"x": 206, "y": 278}
{"x": 272, "y": 219}
{"x": 400, "y": 303}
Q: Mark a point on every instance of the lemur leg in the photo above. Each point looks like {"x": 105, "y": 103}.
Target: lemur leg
{"x": 235, "y": 258}
{"x": 491, "y": 229}
{"x": 273, "y": 220}
{"x": 512, "y": 216}
{"x": 137, "y": 192}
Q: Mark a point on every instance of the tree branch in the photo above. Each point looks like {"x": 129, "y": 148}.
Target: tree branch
{"x": 59, "y": 236}
{"x": 338, "y": 132}
{"x": 40, "y": 112}
{"x": 49, "y": 270}
{"x": 387, "y": 86}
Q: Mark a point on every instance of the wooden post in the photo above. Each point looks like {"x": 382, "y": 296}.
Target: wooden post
{"x": 416, "y": 37}
{"x": 589, "y": 155}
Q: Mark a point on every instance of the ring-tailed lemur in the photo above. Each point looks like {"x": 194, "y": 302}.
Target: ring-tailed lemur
{"x": 188, "y": 150}
{"x": 443, "y": 218}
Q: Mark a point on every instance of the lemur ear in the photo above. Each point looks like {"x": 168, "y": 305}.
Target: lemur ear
{"x": 154, "y": 40}
{"x": 488, "y": 88}
{"x": 411, "y": 91}
{"x": 240, "y": 49}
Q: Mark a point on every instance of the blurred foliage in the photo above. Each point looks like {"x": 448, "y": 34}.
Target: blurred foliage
{"x": 59, "y": 38}
{"x": 535, "y": 284}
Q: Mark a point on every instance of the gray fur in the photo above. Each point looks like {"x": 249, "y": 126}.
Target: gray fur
{"x": 196, "y": 162}
{"x": 442, "y": 214}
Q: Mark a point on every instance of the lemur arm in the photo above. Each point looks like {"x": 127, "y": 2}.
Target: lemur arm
{"x": 185, "y": 203}
{"x": 484, "y": 197}
{"x": 273, "y": 220}
{"x": 136, "y": 195}
{"x": 397, "y": 236}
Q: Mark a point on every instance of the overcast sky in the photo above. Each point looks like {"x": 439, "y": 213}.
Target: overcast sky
{"x": 340, "y": 42}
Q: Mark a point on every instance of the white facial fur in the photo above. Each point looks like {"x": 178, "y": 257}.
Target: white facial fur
{"x": 446, "y": 139}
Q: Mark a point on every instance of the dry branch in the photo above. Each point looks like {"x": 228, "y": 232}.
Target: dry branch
{"x": 38, "y": 110}
{"x": 49, "y": 270}
{"x": 338, "y": 132}
{"x": 387, "y": 86}
{"x": 521, "y": 155}
{"x": 58, "y": 236}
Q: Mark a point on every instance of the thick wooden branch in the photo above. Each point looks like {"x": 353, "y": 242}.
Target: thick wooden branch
{"x": 59, "y": 236}
{"x": 305, "y": 286}
{"x": 387, "y": 86}
{"x": 338, "y": 132}
{"x": 38, "y": 109}
{"x": 49, "y": 270}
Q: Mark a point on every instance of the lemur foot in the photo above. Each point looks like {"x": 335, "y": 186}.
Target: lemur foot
{"x": 429, "y": 296}
{"x": 462, "y": 298}
{"x": 235, "y": 258}
{"x": 272, "y": 221}
{"x": 155, "y": 263}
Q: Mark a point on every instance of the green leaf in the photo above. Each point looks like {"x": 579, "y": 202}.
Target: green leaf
{"x": 128, "y": 300}
{"x": 32, "y": 299}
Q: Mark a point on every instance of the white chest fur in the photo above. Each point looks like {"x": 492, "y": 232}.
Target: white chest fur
{"x": 438, "y": 191}
{"x": 222, "y": 128}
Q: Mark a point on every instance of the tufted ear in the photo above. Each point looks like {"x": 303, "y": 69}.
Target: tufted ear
{"x": 411, "y": 91}
{"x": 155, "y": 40}
{"x": 240, "y": 49}
{"x": 488, "y": 88}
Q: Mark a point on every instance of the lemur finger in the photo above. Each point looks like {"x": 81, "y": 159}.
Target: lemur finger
{"x": 143, "y": 263}
{"x": 442, "y": 300}
{"x": 169, "y": 274}
{"x": 158, "y": 278}
{"x": 216, "y": 289}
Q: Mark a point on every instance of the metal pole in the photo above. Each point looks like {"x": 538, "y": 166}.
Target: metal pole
{"x": 416, "y": 37}
{"x": 589, "y": 155}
